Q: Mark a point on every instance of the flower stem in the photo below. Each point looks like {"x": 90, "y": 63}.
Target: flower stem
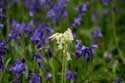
{"x": 64, "y": 65}
{"x": 115, "y": 36}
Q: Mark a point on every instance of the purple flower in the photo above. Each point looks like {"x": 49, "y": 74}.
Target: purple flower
{"x": 49, "y": 76}
{"x": 41, "y": 35}
{"x": 75, "y": 78}
{"x": 18, "y": 68}
{"x": 87, "y": 52}
{"x": 1, "y": 14}
{"x": 50, "y": 52}
{"x": 109, "y": 55}
{"x": 77, "y": 22}
{"x": 34, "y": 78}
{"x": 118, "y": 80}
{"x": 29, "y": 28}
{"x": 106, "y": 12}
{"x": 94, "y": 16}
{"x": 33, "y": 6}
{"x": 115, "y": 10}
{"x": 82, "y": 8}
{"x": 3, "y": 47}
{"x": 97, "y": 34}
{"x": 57, "y": 12}
{"x": 1, "y": 26}
{"x": 39, "y": 58}
{"x": 2, "y": 3}
{"x": 15, "y": 31}
{"x": 68, "y": 75}
{"x": 1, "y": 64}
{"x": 105, "y": 2}
{"x": 123, "y": 1}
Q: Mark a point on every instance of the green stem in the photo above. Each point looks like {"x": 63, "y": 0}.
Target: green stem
{"x": 115, "y": 36}
{"x": 51, "y": 63}
{"x": 64, "y": 65}
{"x": 42, "y": 75}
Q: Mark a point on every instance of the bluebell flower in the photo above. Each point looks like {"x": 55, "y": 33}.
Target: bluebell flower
{"x": 2, "y": 3}
{"x": 1, "y": 64}
{"x": 50, "y": 52}
{"x": 94, "y": 16}
{"x": 75, "y": 78}
{"x": 34, "y": 78}
{"x": 49, "y": 76}
{"x": 17, "y": 81}
{"x": 1, "y": 26}
{"x": 18, "y": 68}
{"x": 123, "y": 1}
{"x": 38, "y": 39}
{"x": 97, "y": 35}
{"x": 82, "y": 8}
{"x": 29, "y": 29}
{"x": 106, "y": 12}
{"x": 41, "y": 35}
{"x": 83, "y": 51}
{"x": 57, "y": 12}
{"x": 117, "y": 80}
{"x": 69, "y": 75}
{"x": 15, "y": 31}
{"x": 79, "y": 53}
{"x": 105, "y": 2}
{"x": 77, "y": 22}
{"x": 115, "y": 10}
{"x": 33, "y": 6}
{"x": 1, "y": 14}
{"x": 39, "y": 58}
{"x": 3, "y": 47}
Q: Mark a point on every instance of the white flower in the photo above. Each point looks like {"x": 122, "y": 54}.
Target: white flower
{"x": 62, "y": 40}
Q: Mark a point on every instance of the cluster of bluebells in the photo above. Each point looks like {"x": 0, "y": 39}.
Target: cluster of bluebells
{"x": 3, "y": 49}
{"x": 34, "y": 78}
{"x": 57, "y": 12}
{"x": 18, "y": 68}
{"x": 2, "y": 16}
{"x": 82, "y": 9}
{"x": 82, "y": 50}
{"x": 97, "y": 35}
{"x": 40, "y": 32}
{"x": 71, "y": 76}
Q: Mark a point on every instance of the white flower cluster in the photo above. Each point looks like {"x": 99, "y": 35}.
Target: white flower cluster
{"x": 62, "y": 40}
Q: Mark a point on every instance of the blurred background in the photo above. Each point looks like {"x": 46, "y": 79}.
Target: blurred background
{"x": 98, "y": 49}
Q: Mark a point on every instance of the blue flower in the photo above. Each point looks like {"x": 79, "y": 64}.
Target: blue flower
{"x": 1, "y": 64}
{"x": 75, "y": 78}
{"x": 97, "y": 35}
{"x": 2, "y": 3}
{"x": 118, "y": 80}
{"x": 82, "y": 8}
{"x": 29, "y": 29}
{"x": 123, "y": 1}
{"x": 39, "y": 58}
{"x": 34, "y": 78}
{"x": 49, "y": 76}
{"x": 3, "y": 47}
{"x": 50, "y": 52}
{"x": 2, "y": 16}
{"x": 82, "y": 50}
{"x": 18, "y": 68}
{"x": 57, "y": 12}
{"x": 105, "y": 2}
{"x": 68, "y": 75}
{"x": 76, "y": 22}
